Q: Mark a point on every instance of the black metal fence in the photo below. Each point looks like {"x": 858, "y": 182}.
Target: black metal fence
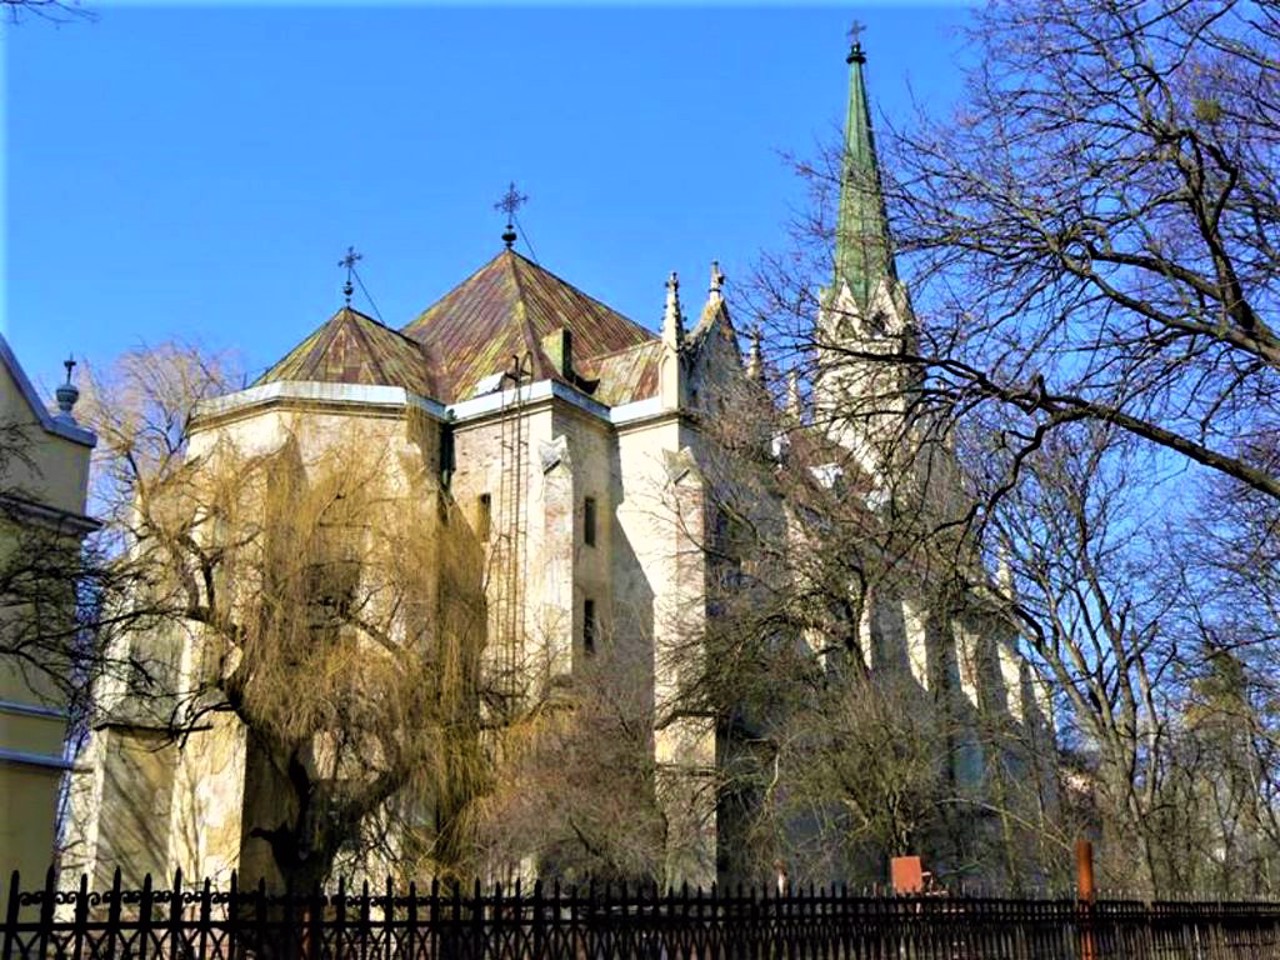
{"x": 200, "y": 923}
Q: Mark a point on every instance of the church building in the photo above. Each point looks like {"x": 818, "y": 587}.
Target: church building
{"x": 572, "y": 442}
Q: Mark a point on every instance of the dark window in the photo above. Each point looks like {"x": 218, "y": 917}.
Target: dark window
{"x": 484, "y": 513}
{"x": 446, "y": 455}
{"x": 589, "y": 626}
{"x": 589, "y": 521}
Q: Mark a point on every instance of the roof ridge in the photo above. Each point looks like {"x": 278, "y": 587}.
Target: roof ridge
{"x": 578, "y": 290}
{"x": 532, "y": 341}
{"x": 378, "y": 323}
{"x": 370, "y": 350}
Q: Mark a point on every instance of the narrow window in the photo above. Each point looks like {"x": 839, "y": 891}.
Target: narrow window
{"x": 589, "y": 521}
{"x": 484, "y": 513}
{"x": 589, "y": 626}
{"x": 446, "y": 456}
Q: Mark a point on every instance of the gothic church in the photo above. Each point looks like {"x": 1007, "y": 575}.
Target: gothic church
{"x": 570, "y": 439}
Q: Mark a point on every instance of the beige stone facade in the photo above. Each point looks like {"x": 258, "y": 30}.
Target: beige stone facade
{"x": 575, "y": 446}
{"x": 44, "y": 469}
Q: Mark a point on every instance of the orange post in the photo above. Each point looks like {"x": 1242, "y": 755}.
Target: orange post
{"x": 1086, "y": 892}
{"x": 907, "y": 875}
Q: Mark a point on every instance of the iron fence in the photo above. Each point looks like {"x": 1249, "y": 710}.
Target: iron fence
{"x": 202, "y": 923}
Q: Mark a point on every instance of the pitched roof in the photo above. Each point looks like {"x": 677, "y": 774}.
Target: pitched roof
{"x": 863, "y": 254}
{"x": 351, "y": 347}
{"x": 627, "y": 375}
{"x": 507, "y": 308}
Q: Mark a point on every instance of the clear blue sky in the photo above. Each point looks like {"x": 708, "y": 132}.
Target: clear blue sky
{"x": 195, "y": 173}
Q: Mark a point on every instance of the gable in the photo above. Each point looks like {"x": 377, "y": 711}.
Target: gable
{"x": 507, "y": 309}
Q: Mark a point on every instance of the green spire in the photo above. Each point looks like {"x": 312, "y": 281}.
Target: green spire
{"x": 862, "y": 230}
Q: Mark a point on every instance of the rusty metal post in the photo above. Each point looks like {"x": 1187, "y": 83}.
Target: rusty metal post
{"x": 907, "y": 875}
{"x": 1086, "y": 892}
{"x": 1084, "y": 870}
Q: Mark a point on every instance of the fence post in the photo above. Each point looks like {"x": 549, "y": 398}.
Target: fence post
{"x": 340, "y": 926}
{"x": 1085, "y": 893}
{"x": 260, "y": 932}
{"x": 233, "y": 919}
{"x": 144, "y": 917}
{"x": 175, "y": 917}
{"x": 206, "y": 916}
{"x": 11, "y": 915}
{"x": 46, "y": 913}
{"x": 477, "y": 921}
{"x": 433, "y": 909}
{"x": 81, "y": 914}
{"x": 538, "y": 919}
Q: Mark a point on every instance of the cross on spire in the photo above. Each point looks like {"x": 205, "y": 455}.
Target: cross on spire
{"x": 510, "y": 202}
{"x": 350, "y": 261}
{"x": 856, "y": 29}
{"x": 70, "y": 364}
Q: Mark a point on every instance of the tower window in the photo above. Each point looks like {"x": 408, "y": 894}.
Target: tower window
{"x": 589, "y": 521}
{"x": 589, "y": 626}
{"x": 484, "y": 516}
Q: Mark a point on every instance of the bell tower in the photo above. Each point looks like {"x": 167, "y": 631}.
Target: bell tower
{"x": 860, "y": 399}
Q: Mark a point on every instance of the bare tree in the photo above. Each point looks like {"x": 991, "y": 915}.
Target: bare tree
{"x": 1093, "y": 237}
{"x": 575, "y": 790}
{"x": 57, "y": 11}
{"x": 850, "y": 727}
{"x": 308, "y": 579}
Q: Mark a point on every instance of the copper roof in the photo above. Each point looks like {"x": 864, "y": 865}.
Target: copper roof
{"x": 627, "y": 375}
{"x": 505, "y": 309}
{"x": 350, "y": 347}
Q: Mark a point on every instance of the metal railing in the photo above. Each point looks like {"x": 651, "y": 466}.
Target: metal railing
{"x": 202, "y": 923}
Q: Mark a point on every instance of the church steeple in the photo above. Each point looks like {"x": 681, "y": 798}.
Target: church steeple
{"x": 863, "y": 255}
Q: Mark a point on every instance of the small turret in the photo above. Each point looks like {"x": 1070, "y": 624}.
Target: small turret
{"x": 671, "y": 373}
{"x": 795, "y": 406}
{"x": 672, "y": 318}
{"x": 715, "y": 293}
{"x": 755, "y": 358}
{"x": 67, "y": 394}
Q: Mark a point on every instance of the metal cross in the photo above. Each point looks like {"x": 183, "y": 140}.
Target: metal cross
{"x": 855, "y": 40}
{"x": 511, "y": 201}
{"x": 349, "y": 261}
{"x": 70, "y": 364}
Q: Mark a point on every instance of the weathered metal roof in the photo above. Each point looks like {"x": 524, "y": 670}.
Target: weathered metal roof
{"x": 505, "y": 309}
{"x": 627, "y": 375}
{"x": 864, "y": 254}
{"x": 351, "y": 347}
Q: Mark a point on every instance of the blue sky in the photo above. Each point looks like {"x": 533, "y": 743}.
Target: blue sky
{"x": 196, "y": 173}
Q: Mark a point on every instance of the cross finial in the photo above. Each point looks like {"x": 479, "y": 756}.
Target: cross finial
{"x": 717, "y": 279}
{"x": 510, "y": 202}
{"x": 349, "y": 261}
{"x": 67, "y": 394}
{"x": 672, "y": 318}
{"x": 856, "y": 55}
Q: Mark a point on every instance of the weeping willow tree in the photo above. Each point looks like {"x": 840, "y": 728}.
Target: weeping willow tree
{"x": 321, "y": 591}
